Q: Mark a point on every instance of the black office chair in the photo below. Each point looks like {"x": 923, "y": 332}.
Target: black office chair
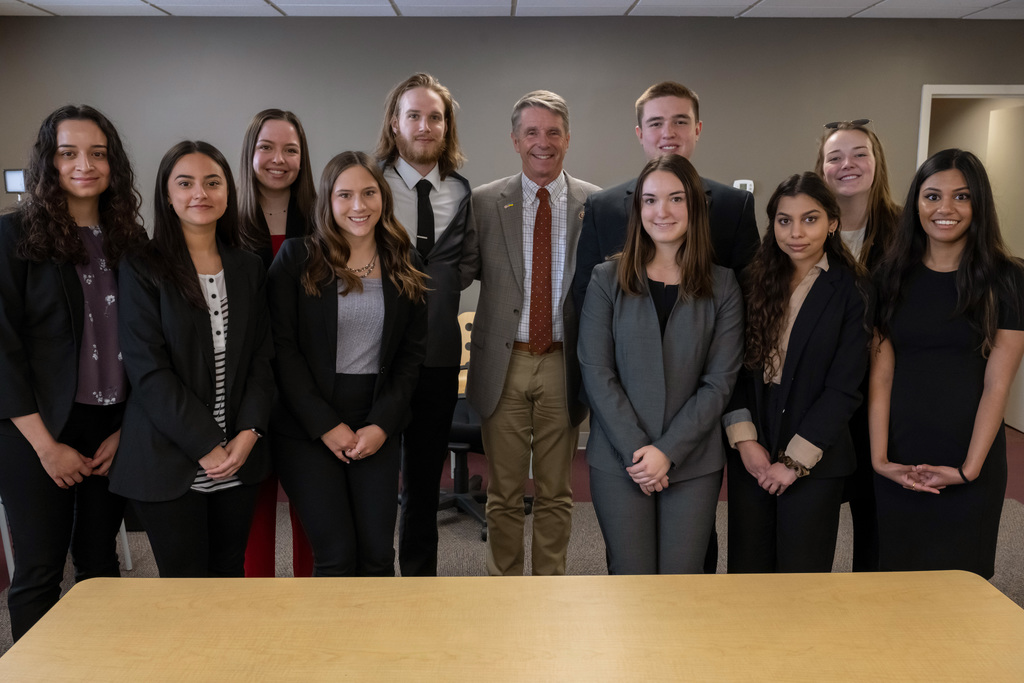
{"x": 463, "y": 439}
{"x": 467, "y": 495}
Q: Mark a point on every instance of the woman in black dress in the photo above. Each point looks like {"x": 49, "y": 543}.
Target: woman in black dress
{"x": 63, "y": 383}
{"x": 949, "y": 340}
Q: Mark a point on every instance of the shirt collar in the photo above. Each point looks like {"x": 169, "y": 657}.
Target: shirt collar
{"x": 555, "y": 188}
{"x": 822, "y": 263}
{"x": 411, "y": 176}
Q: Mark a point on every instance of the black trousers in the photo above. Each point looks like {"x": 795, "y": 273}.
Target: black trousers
{"x": 46, "y": 519}
{"x": 794, "y": 532}
{"x": 200, "y": 535}
{"x": 347, "y": 509}
{"x": 424, "y": 453}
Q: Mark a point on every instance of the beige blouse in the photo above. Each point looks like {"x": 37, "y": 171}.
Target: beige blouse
{"x": 799, "y": 448}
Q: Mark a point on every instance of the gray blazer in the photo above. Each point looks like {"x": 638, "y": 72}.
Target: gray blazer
{"x": 644, "y": 389}
{"x": 493, "y": 254}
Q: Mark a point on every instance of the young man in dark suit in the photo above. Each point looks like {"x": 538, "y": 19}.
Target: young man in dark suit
{"x": 419, "y": 152}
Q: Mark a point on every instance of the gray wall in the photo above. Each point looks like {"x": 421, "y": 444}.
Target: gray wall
{"x": 766, "y": 85}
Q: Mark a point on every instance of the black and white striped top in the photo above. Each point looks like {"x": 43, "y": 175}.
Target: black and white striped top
{"x": 217, "y": 300}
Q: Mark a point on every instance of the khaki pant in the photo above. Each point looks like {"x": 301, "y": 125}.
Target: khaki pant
{"x": 532, "y": 415}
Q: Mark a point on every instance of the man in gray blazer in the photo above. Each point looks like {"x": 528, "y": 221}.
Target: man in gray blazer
{"x": 523, "y": 376}
{"x": 419, "y": 151}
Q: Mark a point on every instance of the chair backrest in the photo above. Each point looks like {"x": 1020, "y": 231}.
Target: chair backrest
{"x": 466, "y": 325}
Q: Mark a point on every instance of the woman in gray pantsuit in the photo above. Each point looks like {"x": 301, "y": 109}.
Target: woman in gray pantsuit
{"x": 661, "y": 340}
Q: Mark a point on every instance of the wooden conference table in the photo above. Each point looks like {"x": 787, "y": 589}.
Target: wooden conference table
{"x": 934, "y": 626}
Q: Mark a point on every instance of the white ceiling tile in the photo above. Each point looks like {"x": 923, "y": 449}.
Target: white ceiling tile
{"x": 18, "y": 9}
{"x": 925, "y": 9}
{"x": 1002, "y": 12}
{"x": 211, "y": 10}
{"x": 101, "y": 10}
{"x": 307, "y": 10}
{"x": 460, "y": 11}
{"x": 336, "y": 3}
{"x": 807, "y": 8}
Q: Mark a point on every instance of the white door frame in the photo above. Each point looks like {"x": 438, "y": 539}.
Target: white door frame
{"x": 930, "y": 92}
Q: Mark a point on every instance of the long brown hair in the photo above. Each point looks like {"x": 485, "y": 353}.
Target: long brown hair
{"x": 49, "y": 231}
{"x": 883, "y": 212}
{"x": 255, "y": 234}
{"x": 766, "y": 281}
{"x": 329, "y": 251}
{"x": 451, "y": 152}
{"x": 695, "y": 255}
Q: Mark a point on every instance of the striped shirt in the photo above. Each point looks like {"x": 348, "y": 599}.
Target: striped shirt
{"x": 217, "y": 300}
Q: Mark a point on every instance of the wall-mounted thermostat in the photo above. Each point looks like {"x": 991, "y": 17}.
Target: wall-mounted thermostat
{"x": 747, "y": 185}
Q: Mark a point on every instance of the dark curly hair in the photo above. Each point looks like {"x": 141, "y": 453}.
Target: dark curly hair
{"x": 50, "y": 233}
{"x": 986, "y": 270}
{"x": 766, "y": 281}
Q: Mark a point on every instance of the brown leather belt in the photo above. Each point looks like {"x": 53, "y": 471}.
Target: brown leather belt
{"x": 525, "y": 346}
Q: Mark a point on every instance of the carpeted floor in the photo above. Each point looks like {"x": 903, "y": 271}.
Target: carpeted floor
{"x": 461, "y": 551}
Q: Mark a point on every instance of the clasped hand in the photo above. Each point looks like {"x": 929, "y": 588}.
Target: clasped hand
{"x": 650, "y": 469}
{"x": 924, "y": 478}
{"x": 348, "y": 445}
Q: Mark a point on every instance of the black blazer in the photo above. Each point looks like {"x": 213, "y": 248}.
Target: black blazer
{"x": 826, "y": 360}
{"x": 306, "y": 341}
{"x": 296, "y": 225}
{"x": 167, "y": 346}
{"x": 41, "y": 312}
{"x": 444, "y": 336}
{"x": 734, "y": 234}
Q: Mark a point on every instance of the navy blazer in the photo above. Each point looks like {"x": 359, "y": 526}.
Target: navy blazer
{"x": 645, "y": 388}
{"x": 734, "y": 234}
{"x": 41, "y": 317}
{"x": 167, "y": 344}
{"x": 306, "y": 340}
{"x": 826, "y": 360}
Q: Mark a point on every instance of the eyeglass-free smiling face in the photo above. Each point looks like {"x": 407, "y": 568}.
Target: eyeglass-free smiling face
{"x": 944, "y": 206}
{"x": 81, "y": 159}
{"x": 197, "y": 192}
{"x": 356, "y": 204}
{"x": 278, "y": 155}
{"x": 848, "y": 163}
{"x": 801, "y": 227}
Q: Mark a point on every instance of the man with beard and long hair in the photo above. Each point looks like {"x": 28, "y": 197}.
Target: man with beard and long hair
{"x": 419, "y": 152}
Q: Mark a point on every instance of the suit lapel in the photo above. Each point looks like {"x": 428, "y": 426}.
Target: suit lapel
{"x": 707, "y": 192}
{"x": 457, "y": 217}
{"x": 239, "y": 310}
{"x": 509, "y": 210}
{"x": 76, "y": 299}
{"x": 806, "y": 321}
{"x": 575, "y": 200}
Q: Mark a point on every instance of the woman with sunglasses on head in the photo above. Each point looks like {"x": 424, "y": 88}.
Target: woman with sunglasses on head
{"x": 852, "y": 162}
{"x": 948, "y": 343}
{"x": 63, "y": 382}
{"x": 349, "y": 311}
{"x": 276, "y": 195}
{"x": 806, "y": 354}
{"x": 195, "y": 334}
{"x": 661, "y": 341}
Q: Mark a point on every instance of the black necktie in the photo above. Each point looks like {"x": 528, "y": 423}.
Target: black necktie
{"x": 424, "y": 218}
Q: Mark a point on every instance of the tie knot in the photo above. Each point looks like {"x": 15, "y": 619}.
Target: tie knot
{"x": 543, "y": 194}
{"x": 423, "y": 187}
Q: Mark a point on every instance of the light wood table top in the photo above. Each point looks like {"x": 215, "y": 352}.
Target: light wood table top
{"x": 933, "y": 626}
